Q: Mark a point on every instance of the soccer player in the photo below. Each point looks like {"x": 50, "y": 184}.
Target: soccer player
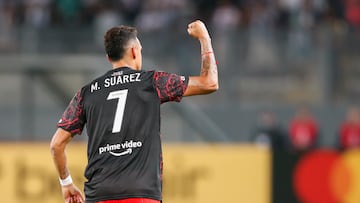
{"x": 121, "y": 110}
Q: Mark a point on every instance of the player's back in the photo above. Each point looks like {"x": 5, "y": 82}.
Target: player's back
{"x": 122, "y": 112}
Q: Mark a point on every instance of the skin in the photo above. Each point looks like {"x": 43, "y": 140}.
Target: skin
{"x": 205, "y": 83}
{"x": 61, "y": 138}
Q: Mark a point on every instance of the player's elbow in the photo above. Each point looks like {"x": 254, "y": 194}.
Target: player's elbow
{"x": 59, "y": 141}
{"x": 54, "y": 147}
{"x": 212, "y": 87}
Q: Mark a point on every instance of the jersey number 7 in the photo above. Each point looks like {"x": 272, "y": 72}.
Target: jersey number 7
{"x": 121, "y": 95}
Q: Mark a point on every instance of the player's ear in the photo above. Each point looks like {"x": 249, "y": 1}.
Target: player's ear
{"x": 108, "y": 58}
{"x": 133, "y": 52}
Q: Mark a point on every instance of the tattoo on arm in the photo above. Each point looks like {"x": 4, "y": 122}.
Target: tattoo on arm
{"x": 208, "y": 62}
{"x": 208, "y": 65}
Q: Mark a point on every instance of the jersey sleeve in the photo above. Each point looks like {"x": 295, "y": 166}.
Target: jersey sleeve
{"x": 170, "y": 87}
{"x": 73, "y": 119}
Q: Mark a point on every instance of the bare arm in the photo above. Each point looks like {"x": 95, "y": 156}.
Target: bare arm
{"x": 58, "y": 144}
{"x": 207, "y": 81}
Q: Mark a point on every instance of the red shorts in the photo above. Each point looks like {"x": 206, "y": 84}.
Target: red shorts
{"x": 131, "y": 200}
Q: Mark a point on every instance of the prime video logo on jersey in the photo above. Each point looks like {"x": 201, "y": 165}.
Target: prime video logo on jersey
{"x": 127, "y": 148}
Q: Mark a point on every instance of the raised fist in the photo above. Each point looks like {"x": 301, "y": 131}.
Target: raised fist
{"x": 198, "y": 30}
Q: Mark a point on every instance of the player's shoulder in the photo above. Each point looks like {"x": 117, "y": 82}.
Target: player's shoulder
{"x": 92, "y": 81}
{"x": 93, "y": 84}
{"x": 166, "y": 75}
{"x": 147, "y": 73}
{"x": 160, "y": 74}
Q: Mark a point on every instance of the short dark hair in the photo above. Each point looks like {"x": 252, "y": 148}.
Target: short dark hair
{"x": 116, "y": 39}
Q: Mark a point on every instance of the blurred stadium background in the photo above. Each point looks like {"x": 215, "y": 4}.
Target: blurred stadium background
{"x": 273, "y": 56}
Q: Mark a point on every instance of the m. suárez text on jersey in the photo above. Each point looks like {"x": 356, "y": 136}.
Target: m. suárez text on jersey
{"x": 117, "y": 78}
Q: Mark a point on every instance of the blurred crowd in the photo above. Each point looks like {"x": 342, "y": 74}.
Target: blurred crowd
{"x": 304, "y": 132}
{"x": 157, "y": 14}
{"x": 21, "y": 20}
{"x": 258, "y": 16}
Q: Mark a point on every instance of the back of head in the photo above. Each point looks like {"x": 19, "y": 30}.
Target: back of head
{"x": 116, "y": 41}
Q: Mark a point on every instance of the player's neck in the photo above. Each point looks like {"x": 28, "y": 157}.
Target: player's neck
{"x": 123, "y": 63}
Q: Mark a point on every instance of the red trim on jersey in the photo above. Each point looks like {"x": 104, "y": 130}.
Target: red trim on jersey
{"x": 72, "y": 119}
{"x": 131, "y": 200}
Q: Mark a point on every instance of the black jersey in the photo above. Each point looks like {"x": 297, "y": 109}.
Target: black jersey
{"x": 121, "y": 110}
